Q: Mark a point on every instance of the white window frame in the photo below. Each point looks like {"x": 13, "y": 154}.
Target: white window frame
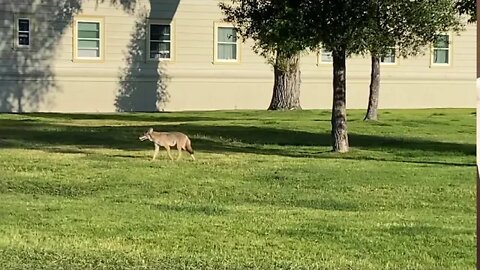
{"x": 218, "y": 25}
{"x": 395, "y": 62}
{"x": 172, "y": 39}
{"x": 17, "y": 32}
{"x": 101, "y": 38}
{"x": 449, "y": 50}
{"x": 324, "y": 52}
{"x": 31, "y": 29}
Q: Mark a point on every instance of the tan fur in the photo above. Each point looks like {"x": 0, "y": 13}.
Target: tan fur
{"x": 167, "y": 140}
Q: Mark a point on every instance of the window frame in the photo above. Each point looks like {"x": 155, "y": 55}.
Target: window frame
{"x": 217, "y": 26}
{"x": 101, "y": 38}
{"x": 448, "y": 49}
{"x": 170, "y": 23}
{"x": 394, "y": 57}
{"x": 18, "y": 31}
{"x": 321, "y": 52}
{"x": 16, "y": 18}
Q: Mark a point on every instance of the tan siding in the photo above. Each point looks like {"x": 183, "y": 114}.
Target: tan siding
{"x": 194, "y": 81}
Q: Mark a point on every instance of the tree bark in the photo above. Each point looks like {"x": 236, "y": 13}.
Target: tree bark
{"x": 19, "y": 96}
{"x": 339, "y": 107}
{"x": 372, "y": 110}
{"x": 286, "y": 86}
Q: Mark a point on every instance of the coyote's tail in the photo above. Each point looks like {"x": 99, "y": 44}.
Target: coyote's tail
{"x": 188, "y": 147}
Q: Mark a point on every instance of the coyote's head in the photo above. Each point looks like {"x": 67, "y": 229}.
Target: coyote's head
{"x": 147, "y": 135}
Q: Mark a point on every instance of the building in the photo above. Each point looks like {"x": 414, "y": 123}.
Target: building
{"x": 146, "y": 55}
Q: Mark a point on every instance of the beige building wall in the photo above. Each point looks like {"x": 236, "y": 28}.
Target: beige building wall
{"x": 46, "y": 77}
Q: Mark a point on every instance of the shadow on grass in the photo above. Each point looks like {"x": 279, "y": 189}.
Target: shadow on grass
{"x": 51, "y": 188}
{"x": 208, "y": 210}
{"x": 158, "y": 117}
{"x": 219, "y": 139}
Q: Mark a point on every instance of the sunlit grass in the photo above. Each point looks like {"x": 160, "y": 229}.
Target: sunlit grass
{"x": 80, "y": 192}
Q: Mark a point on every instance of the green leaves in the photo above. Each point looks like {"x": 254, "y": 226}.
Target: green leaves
{"x": 467, "y": 7}
{"x": 356, "y": 26}
{"x": 274, "y": 25}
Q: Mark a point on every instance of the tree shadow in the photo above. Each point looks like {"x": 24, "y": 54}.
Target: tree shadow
{"x": 227, "y": 139}
{"x": 163, "y": 117}
{"x": 27, "y": 75}
{"x": 143, "y": 82}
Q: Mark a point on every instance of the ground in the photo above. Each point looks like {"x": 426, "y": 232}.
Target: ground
{"x": 79, "y": 191}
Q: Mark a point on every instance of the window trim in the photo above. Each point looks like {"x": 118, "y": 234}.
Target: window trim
{"x": 16, "y": 18}
{"x": 17, "y": 40}
{"x": 170, "y": 23}
{"x": 390, "y": 63}
{"x": 319, "y": 58}
{"x": 101, "y": 49}
{"x": 449, "y": 49}
{"x": 216, "y": 26}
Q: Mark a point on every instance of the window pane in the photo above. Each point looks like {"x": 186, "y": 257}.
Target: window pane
{"x": 165, "y": 46}
{"x": 159, "y": 50}
{"x": 88, "y": 53}
{"x": 227, "y": 34}
{"x": 388, "y": 59}
{"x": 88, "y": 44}
{"x": 23, "y": 39}
{"x": 88, "y": 30}
{"x": 154, "y": 46}
{"x": 227, "y": 51}
{"x": 440, "y": 57}
{"x": 23, "y": 25}
{"x": 326, "y": 56}
{"x": 441, "y": 42}
{"x": 159, "y": 32}
{"x": 159, "y": 55}
{"x": 88, "y": 34}
{"x": 88, "y": 26}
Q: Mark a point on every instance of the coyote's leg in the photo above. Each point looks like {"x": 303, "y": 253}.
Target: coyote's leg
{"x": 179, "y": 153}
{"x": 157, "y": 148}
{"x": 168, "y": 152}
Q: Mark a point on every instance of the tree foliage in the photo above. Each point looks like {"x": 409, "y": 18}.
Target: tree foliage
{"x": 408, "y": 26}
{"x": 467, "y": 7}
{"x": 273, "y": 25}
{"x": 344, "y": 27}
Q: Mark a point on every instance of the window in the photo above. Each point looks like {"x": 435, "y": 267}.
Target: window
{"x": 325, "y": 56}
{"x": 23, "y": 32}
{"x": 88, "y": 39}
{"x": 441, "y": 50}
{"x": 226, "y": 45}
{"x": 389, "y": 57}
{"x": 159, "y": 41}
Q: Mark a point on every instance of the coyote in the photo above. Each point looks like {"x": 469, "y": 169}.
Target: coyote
{"x": 167, "y": 140}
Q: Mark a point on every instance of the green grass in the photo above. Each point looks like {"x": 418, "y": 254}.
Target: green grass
{"x": 80, "y": 192}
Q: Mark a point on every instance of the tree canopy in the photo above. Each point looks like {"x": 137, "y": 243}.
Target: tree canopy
{"x": 273, "y": 25}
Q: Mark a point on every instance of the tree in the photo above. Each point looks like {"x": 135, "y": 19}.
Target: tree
{"x": 339, "y": 25}
{"x": 467, "y": 7}
{"x": 273, "y": 24}
{"x": 408, "y": 26}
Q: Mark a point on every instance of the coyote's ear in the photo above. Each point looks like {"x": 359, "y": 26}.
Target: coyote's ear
{"x": 150, "y": 130}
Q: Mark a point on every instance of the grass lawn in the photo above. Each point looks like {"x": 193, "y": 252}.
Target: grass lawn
{"x": 80, "y": 192}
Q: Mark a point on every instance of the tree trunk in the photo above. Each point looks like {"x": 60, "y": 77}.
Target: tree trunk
{"x": 339, "y": 107}
{"x": 286, "y": 86}
{"x": 372, "y": 110}
{"x": 19, "y": 96}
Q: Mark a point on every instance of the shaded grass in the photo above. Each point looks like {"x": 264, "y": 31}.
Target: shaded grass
{"x": 79, "y": 192}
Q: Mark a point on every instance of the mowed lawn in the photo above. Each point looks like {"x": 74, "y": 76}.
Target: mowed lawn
{"x": 79, "y": 191}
